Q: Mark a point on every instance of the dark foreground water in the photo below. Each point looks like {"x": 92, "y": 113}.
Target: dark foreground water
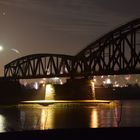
{"x": 69, "y": 115}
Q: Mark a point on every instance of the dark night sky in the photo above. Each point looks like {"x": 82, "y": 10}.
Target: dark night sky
{"x": 58, "y": 26}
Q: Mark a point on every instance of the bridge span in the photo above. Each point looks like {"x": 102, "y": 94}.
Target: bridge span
{"x": 117, "y": 52}
{"x": 39, "y": 66}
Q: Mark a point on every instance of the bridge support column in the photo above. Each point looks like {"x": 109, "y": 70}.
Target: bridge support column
{"x": 76, "y": 89}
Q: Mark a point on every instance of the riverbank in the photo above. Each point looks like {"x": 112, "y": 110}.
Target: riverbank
{"x": 117, "y": 93}
{"x": 75, "y": 134}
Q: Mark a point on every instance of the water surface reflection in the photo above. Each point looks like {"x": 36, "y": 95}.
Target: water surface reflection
{"x": 68, "y": 115}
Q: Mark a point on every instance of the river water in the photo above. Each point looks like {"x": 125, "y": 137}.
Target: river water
{"x": 22, "y": 117}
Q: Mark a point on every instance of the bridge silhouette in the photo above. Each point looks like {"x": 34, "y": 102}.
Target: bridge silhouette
{"x": 117, "y": 52}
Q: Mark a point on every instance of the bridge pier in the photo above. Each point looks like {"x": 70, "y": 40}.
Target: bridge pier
{"x": 75, "y": 89}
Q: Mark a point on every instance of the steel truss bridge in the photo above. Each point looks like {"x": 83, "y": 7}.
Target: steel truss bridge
{"x": 117, "y": 52}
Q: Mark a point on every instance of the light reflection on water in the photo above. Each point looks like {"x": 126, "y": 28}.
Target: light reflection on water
{"x": 94, "y": 119}
{"x": 68, "y": 115}
{"x": 2, "y": 123}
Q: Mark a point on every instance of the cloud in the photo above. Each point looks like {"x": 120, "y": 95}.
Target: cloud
{"x": 122, "y": 7}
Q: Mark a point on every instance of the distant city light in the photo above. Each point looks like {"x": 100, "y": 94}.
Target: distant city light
{"x": 127, "y": 77}
{"x": 36, "y": 85}
{"x": 102, "y": 76}
{"x": 107, "y": 81}
{"x": 94, "y": 79}
{"x": 116, "y": 84}
{"x": 61, "y": 82}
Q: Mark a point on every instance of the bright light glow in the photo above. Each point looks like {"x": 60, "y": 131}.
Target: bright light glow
{"x": 24, "y": 82}
{"x": 95, "y": 80}
{"x": 48, "y": 71}
{"x": 36, "y": 85}
{"x": 47, "y": 118}
{"x": 56, "y": 80}
{"x": 2, "y": 123}
{"x": 94, "y": 118}
{"x": 127, "y": 77}
{"x": 43, "y": 84}
{"x": 93, "y": 88}
{"x": 44, "y": 79}
{"x": 61, "y": 82}
{"x": 66, "y": 70}
{"x": 102, "y": 77}
{"x": 49, "y": 92}
{"x": 116, "y": 84}
{"x": 1, "y": 48}
{"x": 43, "y": 119}
{"x": 107, "y": 81}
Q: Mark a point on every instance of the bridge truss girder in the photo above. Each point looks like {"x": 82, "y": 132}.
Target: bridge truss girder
{"x": 39, "y": 66}
{"x": 117, "y": 52}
